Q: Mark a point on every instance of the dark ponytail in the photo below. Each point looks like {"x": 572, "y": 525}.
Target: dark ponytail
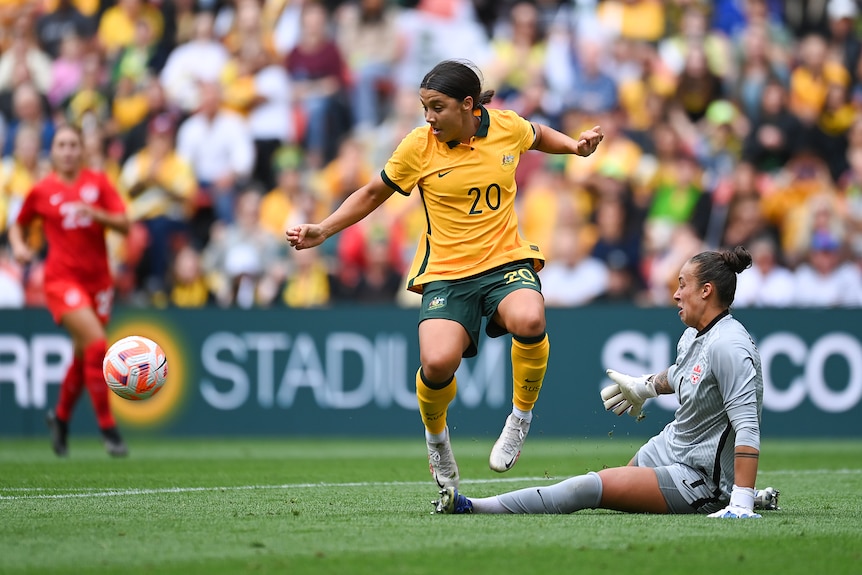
{"x": 457, "y": 79}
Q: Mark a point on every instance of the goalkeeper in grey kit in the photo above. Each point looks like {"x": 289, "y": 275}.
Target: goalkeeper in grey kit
{"x": 705, "y": 460}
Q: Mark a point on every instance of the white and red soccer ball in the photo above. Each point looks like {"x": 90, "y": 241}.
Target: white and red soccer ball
{"x": 135, "y": 368}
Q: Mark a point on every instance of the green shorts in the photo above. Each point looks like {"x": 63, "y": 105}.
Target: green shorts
{"x": 470, "y": 299}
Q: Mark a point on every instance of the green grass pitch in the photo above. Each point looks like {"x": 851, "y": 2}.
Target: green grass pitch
{"x": 363, "y": 506}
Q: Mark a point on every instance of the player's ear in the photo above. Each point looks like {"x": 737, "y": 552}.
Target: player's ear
{"x": 467, "y": 103}
{"x": 707, "y": 289}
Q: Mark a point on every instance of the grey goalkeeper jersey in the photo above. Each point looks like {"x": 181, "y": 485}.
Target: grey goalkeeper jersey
{"x": 719, "y": 384}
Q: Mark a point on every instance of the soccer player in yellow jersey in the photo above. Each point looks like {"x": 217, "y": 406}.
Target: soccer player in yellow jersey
{"x": 471, "y": 262}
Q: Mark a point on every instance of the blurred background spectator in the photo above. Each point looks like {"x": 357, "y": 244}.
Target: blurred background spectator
{"x": 225, "y": 121}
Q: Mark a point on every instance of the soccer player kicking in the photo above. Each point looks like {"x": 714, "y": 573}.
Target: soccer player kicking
{"x": 76, "y": 206}
{"x": 471, "y": 262}
{"x": 705, "y": 460}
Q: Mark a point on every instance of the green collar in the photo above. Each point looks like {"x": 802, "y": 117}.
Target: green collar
{"x": 482, "y": 130}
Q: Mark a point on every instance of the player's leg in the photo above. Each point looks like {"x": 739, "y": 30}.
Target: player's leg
{"x": 441, "y": 345}
{"x": 634, "y": 489}
{"x": 70, "y": 391}
{"x": 522, "y": 313}
{"x": 88, "y": 336}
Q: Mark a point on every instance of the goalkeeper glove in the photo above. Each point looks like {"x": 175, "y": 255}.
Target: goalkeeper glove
{"x": 627, "y": 393}
{"x": 741, "y": 505}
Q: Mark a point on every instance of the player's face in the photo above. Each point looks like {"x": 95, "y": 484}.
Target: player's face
{"x": 445, "y": 114}
{"x": 690, "y": 297}
{"x": 66, "y": 152}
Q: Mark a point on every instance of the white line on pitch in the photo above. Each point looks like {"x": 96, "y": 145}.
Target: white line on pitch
{"x": 86, "y": 492}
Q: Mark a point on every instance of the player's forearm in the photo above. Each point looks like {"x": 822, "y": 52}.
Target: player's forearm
{"x": 745, "y": 465}
{"x": 113, "y": 221}
{"x": 357, "y": 205}
{"x": 16, "y": 237}
{"x": 551, "y": 141}
{"x": 661, "y": 383}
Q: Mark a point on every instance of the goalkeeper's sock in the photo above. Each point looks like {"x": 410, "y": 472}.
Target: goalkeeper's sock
{"x": 529, "y": 364}
{"x": 94, "y": 354}
{"x": 573, "y": 494}
{"x": 434, "y": 399}
{"x": 70, "y": 389}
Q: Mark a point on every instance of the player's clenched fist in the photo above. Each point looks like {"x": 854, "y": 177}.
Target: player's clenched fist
{"x": 305, "y": 236}
{"x": 627, "y": 393}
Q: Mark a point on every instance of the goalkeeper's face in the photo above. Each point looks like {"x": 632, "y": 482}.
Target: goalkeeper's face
{"x": 692, "y": 297}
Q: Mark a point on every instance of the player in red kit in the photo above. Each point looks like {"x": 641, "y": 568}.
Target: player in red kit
{"x": 76, "y": 206}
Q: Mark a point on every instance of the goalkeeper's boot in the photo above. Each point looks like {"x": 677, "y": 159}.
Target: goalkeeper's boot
{"x": 452, "y": 503}
{"x": 507, "y": 450}
{"x": 114, "y": 444}
{"x": 442, "y": 463}
{"x": 59, "y": 433}
{"x": 766, "y": 499}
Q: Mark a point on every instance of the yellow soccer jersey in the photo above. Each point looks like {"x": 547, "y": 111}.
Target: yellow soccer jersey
{"x": 468, "y": 191}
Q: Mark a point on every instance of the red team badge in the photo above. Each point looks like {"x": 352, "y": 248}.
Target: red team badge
{"x": 696, "y": 373}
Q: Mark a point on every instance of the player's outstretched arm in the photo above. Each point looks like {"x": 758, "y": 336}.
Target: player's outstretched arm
{"x": 628, "y": 393}
{"x": 551, "y": 141}
{"x": 357, "y": 205}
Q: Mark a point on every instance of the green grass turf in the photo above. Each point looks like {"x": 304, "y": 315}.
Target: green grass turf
{"x": 333, "y": 506}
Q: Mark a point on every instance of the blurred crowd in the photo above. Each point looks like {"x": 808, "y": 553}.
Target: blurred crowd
{"x": 223, "y": 122}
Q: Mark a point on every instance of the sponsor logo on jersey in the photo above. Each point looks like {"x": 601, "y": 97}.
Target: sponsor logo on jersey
{"x": 55, "y": 199}
{"x": 437, "y": 302}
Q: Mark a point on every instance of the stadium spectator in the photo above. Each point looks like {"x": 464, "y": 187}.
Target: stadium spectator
{"x": 198, "y": 61}
{"x": 240, "y": 253}
{"x": 11, "y": 288}
{"x": 218, "y": 145}
{"x": 518, "y": 55}
{"x": 826, "y": 279}
{"x": 318, "y": 75}
{"x": 463, "y": 277}
{"x": 135, "y": 138}
{"x": 694, "y": 35}
{"x": 367, "y": 35}
{"x": 24, "y": 61}
{"x": 28, "y": 110}
{"x": 19, "y": 173}
{"x": 308, "y": 284}
{"x": 572, "y": 277}
{"x": 118, "y": 24}
{"x": 757, "y": 66}
{"x": 775, "y": 132}
{"x": 160, "y": 186}
{"x": 259, "y": 89}
{"x": 291, "y": 201}
{"x": 380, "y": 279}
{"x": 67, "y": 70}
{"x": 76, "y": 206}
{"x": 618, "y": 225}
{"x": 706, "y": 459}
{"x": 594, "y": 91}
{"x": 767, "y": 283}
{"x": 188, "y": 288}
{"x": 55, "y": 24}
{"x": 633, "y": 19}
{"x": 810, "y": 79}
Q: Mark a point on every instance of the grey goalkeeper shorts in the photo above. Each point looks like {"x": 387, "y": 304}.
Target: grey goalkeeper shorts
{"x": 685, "y": 489}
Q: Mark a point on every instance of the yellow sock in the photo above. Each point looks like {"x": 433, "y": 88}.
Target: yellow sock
{"x": 433, "y": 403}
{"x": 529, "y": 364}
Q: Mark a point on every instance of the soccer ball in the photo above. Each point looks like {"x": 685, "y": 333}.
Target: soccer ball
{"x": 135, "y": 368}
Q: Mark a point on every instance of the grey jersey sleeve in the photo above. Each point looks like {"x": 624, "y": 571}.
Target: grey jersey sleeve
{"x": 736, "y": 366}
